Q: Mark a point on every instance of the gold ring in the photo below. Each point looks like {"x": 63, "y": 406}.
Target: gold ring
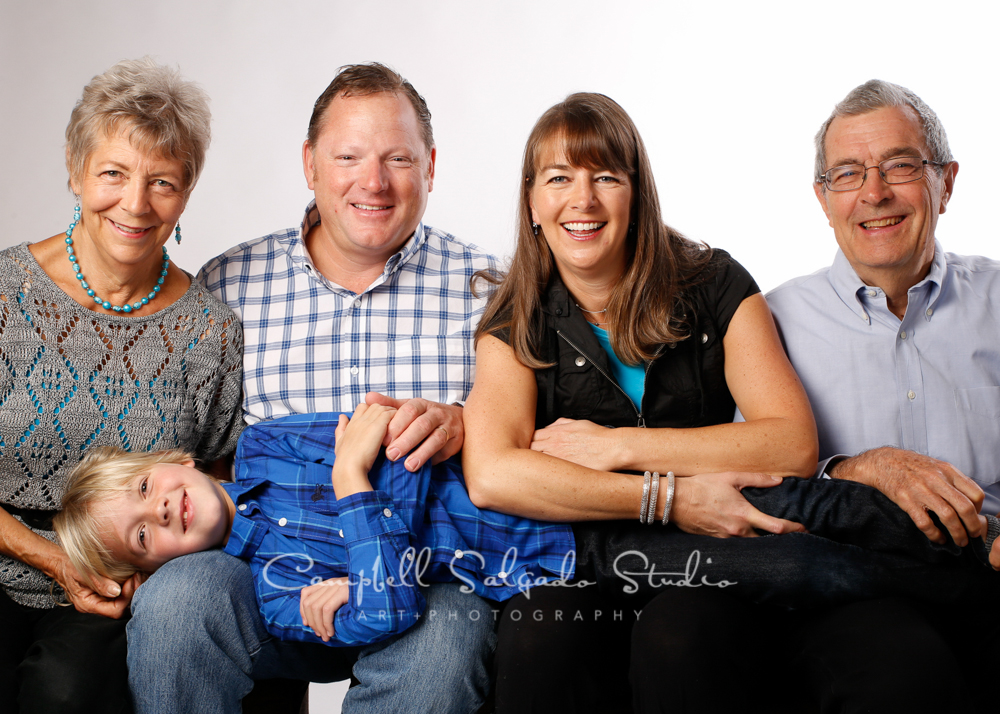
{"x": 446, "y": 435}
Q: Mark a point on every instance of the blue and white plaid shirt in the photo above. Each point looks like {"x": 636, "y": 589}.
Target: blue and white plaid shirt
{"x": 414, "y": 528}
{"x": 314, "y": 346}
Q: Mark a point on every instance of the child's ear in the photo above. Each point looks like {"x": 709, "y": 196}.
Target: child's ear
{"x": 189, "y": 463}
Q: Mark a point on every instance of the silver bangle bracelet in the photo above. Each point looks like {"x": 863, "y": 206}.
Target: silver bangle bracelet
{"x": 645, "y": 497}
{"x": 670, "y": 498}
{"x": 653, "y": 492}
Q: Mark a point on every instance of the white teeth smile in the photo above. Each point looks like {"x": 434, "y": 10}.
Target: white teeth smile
{"x": 184, "y": 515}
{"x": 365, "y": 207}
{"x": 575, "y": 227}
{"x": 126, "y": 229}
{"x": 882, "y": 223}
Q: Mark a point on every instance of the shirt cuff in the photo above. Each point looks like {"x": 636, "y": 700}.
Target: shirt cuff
{"x": 826, "y": 465}
{"x": 368, "y": 514}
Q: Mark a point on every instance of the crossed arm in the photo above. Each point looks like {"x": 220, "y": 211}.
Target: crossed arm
{"x": 576, "y": 476}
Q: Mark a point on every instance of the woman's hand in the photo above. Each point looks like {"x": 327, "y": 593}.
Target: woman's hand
{"x": 582, "y": 442}
{"x": 110, "y": 600}
{"x": 318, "y": 604}
{"x": 711, "y": 504}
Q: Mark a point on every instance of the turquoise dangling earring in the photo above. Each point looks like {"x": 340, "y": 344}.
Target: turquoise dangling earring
{"x": 177, "y": 233}
{"x": 69, "y": 231}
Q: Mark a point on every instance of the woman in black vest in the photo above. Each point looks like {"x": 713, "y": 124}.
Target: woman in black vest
{"x": 610, "y": 361}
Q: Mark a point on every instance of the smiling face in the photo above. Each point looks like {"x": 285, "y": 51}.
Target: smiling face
{"x": 173, "y": 510}
{"x": 371, "y": 174}
{"x": 886, "y": 231}
{"x": 130, "y": 201}
{"x": 583, "y": 213}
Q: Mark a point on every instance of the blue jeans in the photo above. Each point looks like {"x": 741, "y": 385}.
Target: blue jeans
{"x": 196, "y": 642}
{"x": 860, "y": 546}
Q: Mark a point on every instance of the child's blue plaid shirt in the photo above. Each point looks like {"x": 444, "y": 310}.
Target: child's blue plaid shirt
{"x": 415, "y": 527}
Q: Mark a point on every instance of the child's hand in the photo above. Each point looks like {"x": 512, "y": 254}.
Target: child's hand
{"x": 319, "y": 603}
{"x": 358, "y": 442}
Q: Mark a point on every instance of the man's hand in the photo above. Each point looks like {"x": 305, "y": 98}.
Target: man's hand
{"x": 582, "y": 442}
{"x": 436, "y": 428}
{"x": 711, "y": 504}
{"x": 112, "y": 599}
{"x": 318, "y": 604}
{"x": 918, "y": 484}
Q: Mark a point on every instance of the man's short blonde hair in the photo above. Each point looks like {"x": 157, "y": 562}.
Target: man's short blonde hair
{"x": 102, "y": 473}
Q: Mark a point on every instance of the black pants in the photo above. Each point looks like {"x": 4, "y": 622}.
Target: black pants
{"x": 707, "y": 652}
{"x": 61, "y": 661}
{"x": 852, "y": 646}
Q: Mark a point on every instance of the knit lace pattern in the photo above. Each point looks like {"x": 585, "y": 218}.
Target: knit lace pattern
{"x": 72, "y": 378}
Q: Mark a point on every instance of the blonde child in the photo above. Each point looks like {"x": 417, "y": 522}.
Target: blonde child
{"x": 339, "y": 539}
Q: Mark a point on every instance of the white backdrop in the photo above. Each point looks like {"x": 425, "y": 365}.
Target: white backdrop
{"x": 715, "y": 88}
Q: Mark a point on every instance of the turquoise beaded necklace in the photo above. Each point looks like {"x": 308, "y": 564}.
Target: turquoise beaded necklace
{"x": 90, "y": 291}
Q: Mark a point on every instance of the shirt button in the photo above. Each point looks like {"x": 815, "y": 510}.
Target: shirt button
{"x": 282, "y": 521}
{"x": 580, "y": 361}
{"x": 930, "y": 311}
{"x": 672, "y": 345}
{"x": 459, "y": 554}
{"x": 341, "y": 532}
{"x": 354, "y": 369}
{"x": 872, "y": 293}
{"x": 387, "y": 513}
{"x": 357, "y": 303}
{"x": 864, "y": 316}
{"x": 902, "y": 335}
{"x": 912, "y": 395}
{"x": 501, "y": 575}
{"x": 409, "y": 555}
{"x": 242, "y": 506}
{"x": 704, "y": 338}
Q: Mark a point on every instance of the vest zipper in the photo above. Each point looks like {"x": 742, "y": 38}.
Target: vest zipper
{"x": 638, "y": 413}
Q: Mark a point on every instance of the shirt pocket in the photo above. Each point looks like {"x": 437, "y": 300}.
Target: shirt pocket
{"x": 982, "y": 401}
{"x": 579, "y": 387}
{"x": 978, "y": 412}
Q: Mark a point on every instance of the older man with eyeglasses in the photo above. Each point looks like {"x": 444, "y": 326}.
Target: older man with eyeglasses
{"x": 898, "y": 346}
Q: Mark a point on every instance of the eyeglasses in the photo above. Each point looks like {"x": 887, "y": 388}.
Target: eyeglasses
{"x": 851, "y": 177}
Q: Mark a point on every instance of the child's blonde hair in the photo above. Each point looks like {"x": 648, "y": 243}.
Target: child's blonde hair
{"x": 102, "y": 472}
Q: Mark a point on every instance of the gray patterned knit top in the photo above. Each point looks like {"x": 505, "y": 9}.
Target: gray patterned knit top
{"x": 71, "y": 379}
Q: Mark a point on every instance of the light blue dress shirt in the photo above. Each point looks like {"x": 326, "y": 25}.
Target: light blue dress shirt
{"x": 929, "y": 382}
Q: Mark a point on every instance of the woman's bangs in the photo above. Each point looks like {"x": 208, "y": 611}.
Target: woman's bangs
{"x": 593, "y": 146}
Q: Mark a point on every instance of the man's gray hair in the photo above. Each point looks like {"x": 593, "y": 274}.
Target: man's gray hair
{"x": 878, "y": 94}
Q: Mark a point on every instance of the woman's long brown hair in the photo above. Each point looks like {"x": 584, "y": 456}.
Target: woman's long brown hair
{"x": 646, "y": 308}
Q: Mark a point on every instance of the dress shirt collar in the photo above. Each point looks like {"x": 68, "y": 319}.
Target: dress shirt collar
{"x": 855, "y": 293}
{"x": 301, "y": 259}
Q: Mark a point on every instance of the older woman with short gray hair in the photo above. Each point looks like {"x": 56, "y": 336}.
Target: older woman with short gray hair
{"x": 103, "y": 341}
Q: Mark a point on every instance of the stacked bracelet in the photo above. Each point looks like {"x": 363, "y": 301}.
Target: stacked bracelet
{"x": 650, "y": 490}
{"x": 670, "y": 498}
{"x": 654, "y": 490}
{"x": 645, "y": 496}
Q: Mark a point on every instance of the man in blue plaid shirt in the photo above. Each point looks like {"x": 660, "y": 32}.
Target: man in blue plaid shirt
{"x": 362, "y": 302}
